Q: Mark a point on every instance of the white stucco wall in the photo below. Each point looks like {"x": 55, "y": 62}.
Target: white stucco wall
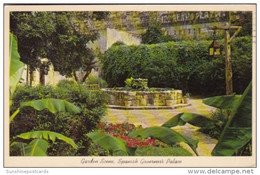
{"x": 114, "y": 35}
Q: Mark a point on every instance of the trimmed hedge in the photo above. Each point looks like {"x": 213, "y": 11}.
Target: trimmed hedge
{"x": 92, "y": 105}
{"x": 182, "y": 65}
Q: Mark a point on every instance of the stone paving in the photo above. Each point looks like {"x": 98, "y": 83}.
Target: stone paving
{"x": 148, "y": 118}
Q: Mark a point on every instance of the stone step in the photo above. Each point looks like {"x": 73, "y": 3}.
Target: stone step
{"x": 148, "y": 107}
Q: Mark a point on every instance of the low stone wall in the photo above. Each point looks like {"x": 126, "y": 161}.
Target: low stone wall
{"x": 144, "y": 98}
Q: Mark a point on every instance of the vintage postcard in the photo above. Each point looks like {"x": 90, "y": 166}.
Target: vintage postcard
{"x": 130, "y": 85}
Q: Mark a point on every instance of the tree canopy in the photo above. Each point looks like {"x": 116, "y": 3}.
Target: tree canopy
{"x": 62, "y": 37}
{"x": 154, "y": 34}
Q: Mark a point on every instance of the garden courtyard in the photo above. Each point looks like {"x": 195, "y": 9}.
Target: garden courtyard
{"x": 82, "y": 85}
{"x": 149, "y": 118}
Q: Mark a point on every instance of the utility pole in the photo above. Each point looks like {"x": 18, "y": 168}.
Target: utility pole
{"x": 228, "y": 65}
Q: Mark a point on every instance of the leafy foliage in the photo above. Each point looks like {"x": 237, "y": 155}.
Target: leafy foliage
{"x": 67, "y": 50}
{"x": 238, "y": 130}
{"x": 32, "y": 30}
{"x": 223, "y": 102}
{"x": 182, "y": 65}
{"x": 136, "y": 84}
{"x": 154, "y": 34}
{"x": 60, "y": 36}
{"x": 191, "y": 118}
{"x": 73, "y": 125}
{"x": 235, "y": 138}
{"x": 165, "y": 135}
{"x": 220, "y": 118}
{"x": 96, "y": 80}
{"x": 53, "y": 105}
{"x": 46, "y": 135}
{"x": 16, "y": 66}
{"x": 108, "y": 142}
{"x": 118, "y": 43}
{"x": 37, "y": 147}
{"x": 122, "y": 145}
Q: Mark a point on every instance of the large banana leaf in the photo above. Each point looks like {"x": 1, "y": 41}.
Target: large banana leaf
{"x": 191, "y": 118}
{"x": 223, "y": 102}
{"x": 16, "y": 66}
{"x": 165, "y": 135}
{"x": 174, "y": 121}
{"x": 47, "y": 135}
{"x": 109, "y": 142}
{"x": 51, "y": 104}
{"x": 238, "y": 130}
{"x": 19, "y": 145}
{"x": 37, "y": 147}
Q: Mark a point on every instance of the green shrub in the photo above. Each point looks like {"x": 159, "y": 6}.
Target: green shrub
{"x": 96, "y": 80}
{"x": 118, "y": 43}
{"x": 75, "y": 126}
{"x": 220, "y": 117}
{"x": 182, "y": 65}
{"x": 154, "y": 34}
{"x": 136, "y": 84}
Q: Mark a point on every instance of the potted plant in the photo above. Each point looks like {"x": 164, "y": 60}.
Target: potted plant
{"x": 186, "y": 98}
{"x": 169, "y": 100}
{"x": 127, "y": 101}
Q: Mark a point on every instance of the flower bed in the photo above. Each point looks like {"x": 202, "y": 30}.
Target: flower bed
{"x": 140, "y": 146}
{"x": 122, "y": 130}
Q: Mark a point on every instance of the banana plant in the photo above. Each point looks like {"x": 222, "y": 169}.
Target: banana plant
{"x": 16, "y": 66}
{"x": 237, "y": 131}
{"x": 51, "y": 104}
{"x": 191, "y": 118}
{"x": 110, "y": 143}
{"x": 166, "y": 135}
{"x": 38, "y": 146}
{"x": 223, "y": 102}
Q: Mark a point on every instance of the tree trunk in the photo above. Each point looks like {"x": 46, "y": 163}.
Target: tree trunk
{"x": 85, "y": 76}
{"x": 75, "y": 75}
{"x": 27, "y": 75}
{"x": 31, "y": 77}
{"x": 81, "y": 79}
{"x": 42, "y": 77}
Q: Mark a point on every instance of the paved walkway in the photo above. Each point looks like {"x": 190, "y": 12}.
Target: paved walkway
{"x": 148, "y": 118}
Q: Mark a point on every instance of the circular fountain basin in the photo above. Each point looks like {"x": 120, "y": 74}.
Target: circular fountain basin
{"x": 157, "y": 98}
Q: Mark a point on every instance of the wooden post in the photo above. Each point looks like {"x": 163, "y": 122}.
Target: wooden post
{"x": 228, "y": 65}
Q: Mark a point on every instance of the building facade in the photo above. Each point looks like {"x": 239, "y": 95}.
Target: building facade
{"x": 127, "y": 26}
